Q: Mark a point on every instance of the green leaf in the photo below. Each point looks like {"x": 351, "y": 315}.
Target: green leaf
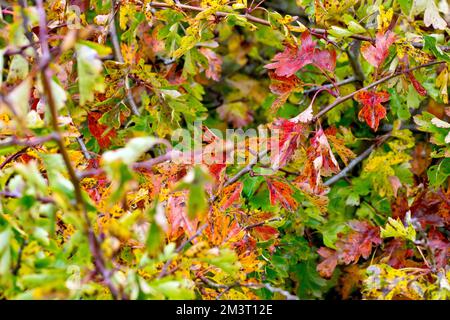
{"x": 396, "y": 229}
{"x": 90, "y": 78}
{"x": 18, "y": 69}
{"x": 18, "y": 97}
{"x": 405, "y": 5}
{"x": 438, "y": 173}
{"x": 398, "y": 107}
{"x": 430, "y": 44}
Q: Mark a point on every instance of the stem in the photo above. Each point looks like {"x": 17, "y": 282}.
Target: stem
{"x": 31, "y": 142}
{"x": 164, "y": 270}
{"x": 267, "y": 23}
{"x": 16, "y": 195}
{"x": 355, "y": 161}
{"x": 331, "y": 85}
{"x": 46, "y": 75}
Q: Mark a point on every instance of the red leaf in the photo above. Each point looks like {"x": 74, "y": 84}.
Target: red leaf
{"x": 416, "y": 84}
{"x": 372, "y": 111}
{"x": 281, "y": 192}
{"x": 320, "y": 161}
{"x": 285, "y": 141}
{"x": 376, "y": 55}
{"x": 358, "y": 242}
{"x": 292, "y": 59}
{"x": 265, "y": 233}
{"x": 102, "y": 133}
{"x": 177, "y": 217}
{"x": 350, "y": 247}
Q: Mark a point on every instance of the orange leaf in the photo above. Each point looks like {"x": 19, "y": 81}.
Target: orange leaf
{"x": 281, "y": 192}
{"x": 231, "y": 194}
{"x": 372, "y": 111}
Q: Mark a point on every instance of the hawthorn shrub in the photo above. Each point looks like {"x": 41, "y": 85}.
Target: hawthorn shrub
{"x": 118, "y": 180}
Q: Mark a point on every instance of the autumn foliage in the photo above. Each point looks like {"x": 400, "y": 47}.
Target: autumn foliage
{"x": 133, "y": 164}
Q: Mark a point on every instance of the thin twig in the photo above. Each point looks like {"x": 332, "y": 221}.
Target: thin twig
{"x": 355, "y": 161}
{"x": 164, "y": 270}
{"x": 227, "y": 288}
{"x": 340, "y": 100}
{"x": 31, "y": 142}
{"x": 258, "y": 224}
{"x": 46, "y": 75}
{"x": 16, "y": 195}
{"x": 13, "y": 157}
{"x": 267, "y": 23}
{"x": 331, "y": 85}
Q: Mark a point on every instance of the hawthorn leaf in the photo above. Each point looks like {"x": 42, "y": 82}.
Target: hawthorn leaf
{"x": 417, "y": 85}
{"x": 281, "y": 192}
{"x": 372, "y": 111}
{"x": 376, "y": 55}
{"x": 399, "y": 108}
{"x": 396, "y": 229}
{"x": 292, "y": 59}
{"x": 90, "y": 78}
{"x": 231, "y": 194}
{"x": 101, "y": 132}
{"x": 19, "y": 97}
{"x": 432, "y": 16}
{"x": 438, "y": 173}
{"x": 430, "y": 44}
{"x": 285, "y": 141}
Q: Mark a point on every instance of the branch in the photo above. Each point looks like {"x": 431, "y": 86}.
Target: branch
{"x": 331, "y": 85}
{"x": 357, "y": 160}
{"x": 340, "y": 100}
{"x": 16, "y": 195}
{"x": 247, "y": 285}
{"x": 31, "y": 142}
{"x": 353, "y": 53}
{"x": 267, "y": 23}
{"x": 46, "y": 75}
{"x": 164, "y": 270}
